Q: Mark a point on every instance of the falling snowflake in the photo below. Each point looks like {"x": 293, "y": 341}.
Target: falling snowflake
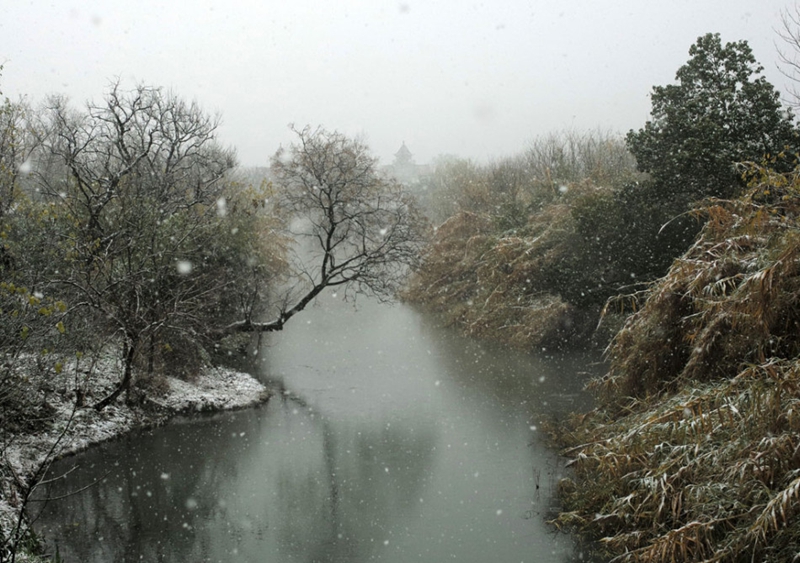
{"x": 222, "y": 207}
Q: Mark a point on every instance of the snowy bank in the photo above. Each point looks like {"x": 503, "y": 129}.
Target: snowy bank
{"x": 73, "y": 430}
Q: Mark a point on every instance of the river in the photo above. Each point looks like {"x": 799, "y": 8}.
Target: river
{"x": 394, "y": 440}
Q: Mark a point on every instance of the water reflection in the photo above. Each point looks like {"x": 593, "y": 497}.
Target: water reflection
{"x": 396, "y": 441}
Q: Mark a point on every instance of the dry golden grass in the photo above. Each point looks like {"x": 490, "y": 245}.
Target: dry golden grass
{"x": 694, "y": 451}
{"x": 484, "y": 282}
{"x": 498, "y": 284}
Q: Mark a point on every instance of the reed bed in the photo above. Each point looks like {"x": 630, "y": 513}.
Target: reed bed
{"x": 489, "y": 283}
{"x": 693, "y": 453}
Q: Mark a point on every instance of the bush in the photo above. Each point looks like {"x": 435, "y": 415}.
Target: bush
{"x": 693, "y": 452}
{"x": 528, "y": 255}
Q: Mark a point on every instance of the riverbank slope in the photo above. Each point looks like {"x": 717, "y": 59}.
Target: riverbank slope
{"x": 693, "y": 453}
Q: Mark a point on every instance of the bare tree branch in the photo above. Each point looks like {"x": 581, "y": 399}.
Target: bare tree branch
{"x": 360, "y": 229}
{"x": 789, "y": 56}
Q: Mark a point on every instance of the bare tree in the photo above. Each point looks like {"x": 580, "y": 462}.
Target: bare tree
{"x": 789, "y": 55}
{"x": 139, "y": 184}
{"x": 355, "y": 228}
{"x": 15, "y": 147}
{"x": 159, "y": 245}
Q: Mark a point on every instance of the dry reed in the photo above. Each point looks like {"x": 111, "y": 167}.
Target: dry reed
{"x": 694, "y": 451}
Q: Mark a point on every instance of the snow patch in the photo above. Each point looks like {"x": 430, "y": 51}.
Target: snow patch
{"x": 215, "y": 389}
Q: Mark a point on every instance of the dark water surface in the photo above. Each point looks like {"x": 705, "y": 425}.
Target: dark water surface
{"x": 395, "y": 441}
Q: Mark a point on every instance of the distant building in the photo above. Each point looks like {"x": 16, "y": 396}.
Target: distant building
{"x": 403, "y": 157}
{"x": 404, "y": 169}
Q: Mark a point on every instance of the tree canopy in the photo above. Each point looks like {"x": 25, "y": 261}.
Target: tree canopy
{"x": 354, "y": 228}
{"x": 130, "y": 215}
{"x": 721, "y": 111}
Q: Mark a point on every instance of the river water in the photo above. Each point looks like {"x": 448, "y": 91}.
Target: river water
{"x": 393, "y": 441}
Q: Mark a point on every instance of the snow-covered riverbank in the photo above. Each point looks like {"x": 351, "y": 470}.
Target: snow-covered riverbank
{"x": 71, "y": 430}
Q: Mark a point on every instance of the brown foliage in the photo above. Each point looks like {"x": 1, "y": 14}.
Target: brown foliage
{"x": 731, "y": 299}
{"x": 513, "y": 261}
{"x": 486, "y": 283}
{"x": 694, "y": 453}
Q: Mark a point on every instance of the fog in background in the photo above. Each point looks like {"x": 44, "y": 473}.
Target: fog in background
{"x": 475, "y": 79}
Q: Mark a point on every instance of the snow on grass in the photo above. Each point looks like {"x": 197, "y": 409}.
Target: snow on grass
{"x": 216, "y": 389}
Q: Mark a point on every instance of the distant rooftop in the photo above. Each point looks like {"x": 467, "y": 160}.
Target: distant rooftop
{"x": 403, "y": 156}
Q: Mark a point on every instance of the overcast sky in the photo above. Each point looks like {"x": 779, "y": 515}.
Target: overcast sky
{"x": 475, "y": 79}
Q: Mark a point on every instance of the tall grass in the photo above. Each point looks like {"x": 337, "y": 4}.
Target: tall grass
{"x": 694, "y": 451}
{"x": 495, "y": 283}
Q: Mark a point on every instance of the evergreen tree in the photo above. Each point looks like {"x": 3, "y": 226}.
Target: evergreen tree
{"x": 720, "y": 112}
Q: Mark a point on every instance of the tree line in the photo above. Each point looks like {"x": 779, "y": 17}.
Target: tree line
{"x": 128, "y": 222}
{"x": 531, "y": 249}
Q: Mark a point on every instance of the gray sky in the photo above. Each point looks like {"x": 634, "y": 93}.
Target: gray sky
{"x": 476, "y": 79}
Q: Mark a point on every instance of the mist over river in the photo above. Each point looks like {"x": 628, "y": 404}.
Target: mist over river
{"x": 393, "y": 440}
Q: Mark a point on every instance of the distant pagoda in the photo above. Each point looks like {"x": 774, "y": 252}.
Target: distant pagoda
{"x": 403, "y": 157}
{"x": 404, "y": 169}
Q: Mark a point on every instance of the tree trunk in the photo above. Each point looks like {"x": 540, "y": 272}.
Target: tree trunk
{"x": 151, "y": 354}
{"x": 129, "y": 350}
